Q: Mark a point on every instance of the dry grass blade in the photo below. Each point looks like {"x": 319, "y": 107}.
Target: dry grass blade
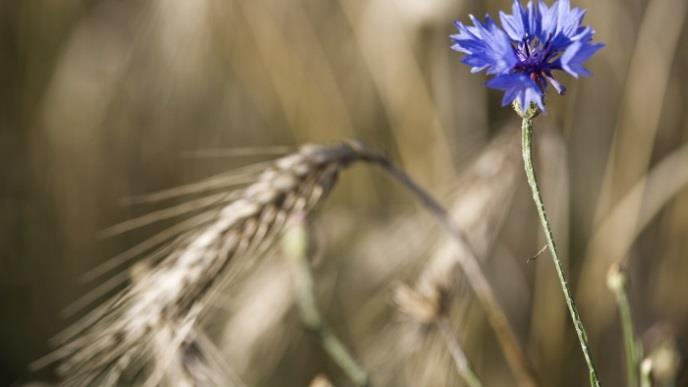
{"x": 480, "y": 207}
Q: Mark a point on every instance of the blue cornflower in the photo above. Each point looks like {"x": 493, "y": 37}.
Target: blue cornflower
{"x": 532, "y": 42}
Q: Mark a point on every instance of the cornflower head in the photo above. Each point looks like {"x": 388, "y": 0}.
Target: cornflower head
{"x": 531, "y": 44}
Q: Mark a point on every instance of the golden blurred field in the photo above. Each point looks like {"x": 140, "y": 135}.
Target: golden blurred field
{"x": 102, "y": 100}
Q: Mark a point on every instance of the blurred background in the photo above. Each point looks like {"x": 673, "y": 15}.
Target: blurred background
{"x": 104, "y": 99}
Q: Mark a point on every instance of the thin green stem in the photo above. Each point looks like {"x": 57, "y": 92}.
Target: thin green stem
{"x": 616, "y": 281}
{"x": 527, "y": 138}
{"x": 297, "y": 245}
{"x": 629, "y": 339}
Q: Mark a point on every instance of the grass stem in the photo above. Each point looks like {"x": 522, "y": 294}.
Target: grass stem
{"x": 616, "y": 281}
{"x": 297, "y": 247}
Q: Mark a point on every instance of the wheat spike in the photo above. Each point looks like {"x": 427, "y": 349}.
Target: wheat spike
{"x": 148, "y": 327}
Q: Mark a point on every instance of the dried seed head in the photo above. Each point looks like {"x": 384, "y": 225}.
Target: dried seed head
{"x": 425, "y": 308}
{"x": 321, "y": 381}
{"x": 662, "y": 349}
{"x": 616, "y": 278}
{"x": 151, "y": 324}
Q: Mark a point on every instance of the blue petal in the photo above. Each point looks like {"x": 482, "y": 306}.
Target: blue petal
{"x": 549, "y": 20}
{"x": 523, "y": 23}
{"x": 515, "y": 24}
{"x": 532, "y": 96}
{"x": 518, "y": 87}
{"x": 534, "y": 20}
{"x": 487, "y": 47}
{"x": 576, "y": 54}
{"x": 561, "y": 24}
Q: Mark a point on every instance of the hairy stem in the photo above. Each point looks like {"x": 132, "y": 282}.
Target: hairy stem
{"x": 462, "y": 366}
{"x": 527, "y": 143}
{"x": 468, "y": 260}
{"x": 297, "y": 247}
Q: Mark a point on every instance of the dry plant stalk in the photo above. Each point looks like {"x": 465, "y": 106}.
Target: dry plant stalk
{"x": 486, "y": 190}
{"x": 480, "y": 206}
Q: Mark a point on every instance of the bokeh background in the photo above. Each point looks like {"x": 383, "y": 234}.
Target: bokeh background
{"x": 104, "y": 99}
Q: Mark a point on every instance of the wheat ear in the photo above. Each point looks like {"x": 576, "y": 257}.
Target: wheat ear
{"x": 143, "y": 327}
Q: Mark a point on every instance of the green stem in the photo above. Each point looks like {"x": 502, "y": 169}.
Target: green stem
{"x": 629, "y": 339}
{"x": 297, "y": 247}
{"x": 527, "y": 137}
{"x": 616, "y": 281}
